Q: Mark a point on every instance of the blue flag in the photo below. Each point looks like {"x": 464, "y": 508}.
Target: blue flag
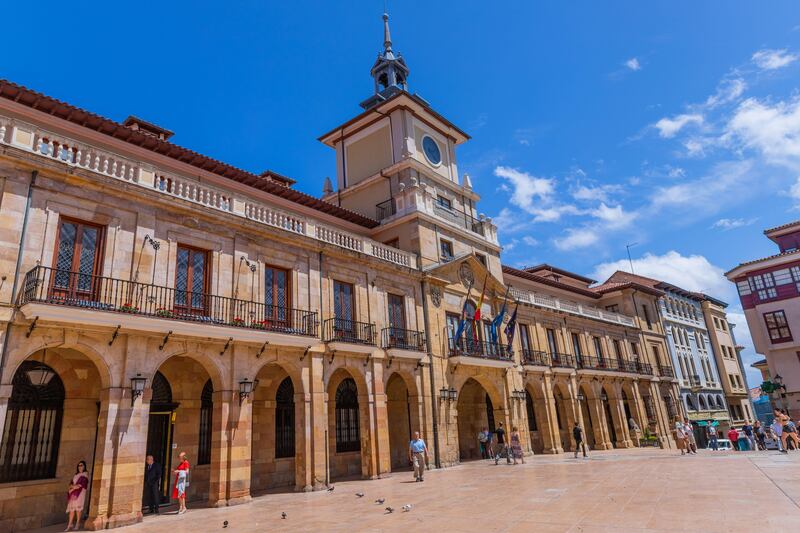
{"x": 463, "y": 323}
{"x": 511, "y": 326}
{"x": 496, "y": 321}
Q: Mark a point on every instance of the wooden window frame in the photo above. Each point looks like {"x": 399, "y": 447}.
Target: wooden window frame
{"x": 188, "y": 308}
{"x": 778, "y": 327}
{"x": 55, "y": 291}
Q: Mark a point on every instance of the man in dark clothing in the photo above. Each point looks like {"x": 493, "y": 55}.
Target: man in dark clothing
{"x": 152, "y": 484}
{"x": 501, "y": 444}
{"x": 577, "y": 434}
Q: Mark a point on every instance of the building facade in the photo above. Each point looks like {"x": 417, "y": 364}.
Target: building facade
{"x": 156, "y": 300}
{"x": 769, "y": 290}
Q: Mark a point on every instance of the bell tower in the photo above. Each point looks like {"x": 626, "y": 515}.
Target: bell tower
{"x": 389, "y": 71}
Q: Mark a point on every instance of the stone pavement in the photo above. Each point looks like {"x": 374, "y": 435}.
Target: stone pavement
{"x": 626, "y": 490}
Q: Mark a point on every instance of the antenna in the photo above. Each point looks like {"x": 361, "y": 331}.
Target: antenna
{"x": 628, "y": 248}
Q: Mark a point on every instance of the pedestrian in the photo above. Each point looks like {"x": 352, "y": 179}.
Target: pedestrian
{"x": 418, "y": 455}
{"x": 152, "y": 484}
{"x": 680, "y": 438}
{"x": 516, "y": 445}
{"x": 760, "y": 434}
{"x": 744, "y": 444}
{"x": 181, "y": 482}
{"x": 489, "y": 445}
{"x": 733, "y": 436}
{"x": 749, "y": 435}
{"x": 777, "y": 430}
{"x": 689, "y": 432}
{"x": 577, "y": 434}
{"x": 501, "y": 444}
{"x": 76, "y": 495}
{"x": 711, "y": 433}
{"x": 790, "y": 430}
{"x": 635, "y": 431}
{"x": 482, "y": 438}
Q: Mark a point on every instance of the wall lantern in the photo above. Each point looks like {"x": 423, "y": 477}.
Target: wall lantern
{"x": 604, "y": 396}
{"x": 40, "y": 375}
{"x": 581, "y": 397}
{"x": 444, "y": 394}
{"x": 453, "y": 394}
{"x": 137, "y": 387}
{"x": 245, "y": 388}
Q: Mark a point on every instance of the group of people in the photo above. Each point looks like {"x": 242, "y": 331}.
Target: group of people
{"x": 785, "y": 431}
{"x": 79, "y": 486}
{"x": 748, "y": 437}
{"x": 510, "y": 450}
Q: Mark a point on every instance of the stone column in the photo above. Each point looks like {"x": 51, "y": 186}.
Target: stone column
{"x": 551, "y": 437}
{"x": 639, "y": 412}
{"x": 316, "y": 430}
{"x": 379, "y": 431}
{"x": 118, "y": 474}
{"x": 602, "y": 441}
{"x": 5, "y": 395}
{"x": 229, "y": 480}
{"x": 624, "y": 435}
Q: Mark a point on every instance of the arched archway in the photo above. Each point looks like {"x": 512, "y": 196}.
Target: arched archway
{"x": 564, "y": 417}
{"x": 278, "y": 412}
{"x": 348, "y": 425}
{"x": 605, "y": 400}
{"x": 476, "y": 411}
{"x": 402, "y": 419}
{"x": 584, "y": 396}
{"x": 534, "y": 423}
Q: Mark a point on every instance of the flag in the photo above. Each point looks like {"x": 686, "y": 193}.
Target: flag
{"x": 463, "y": 322}
{"x": 477, "y": 318}
{"x": 496, "y": 321}
{"x": 511, "y": 326}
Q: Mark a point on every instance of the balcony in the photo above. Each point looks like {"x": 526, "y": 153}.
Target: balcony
{"x": 459, "y": 218}
{"x": 551, "y": 302}
{"x": 402, "y": 339}
{"x": 46, "y": 292}
{"x": 385, "y": 209}
{"x": 562, "y": 360}
{"x": 666, "y": 371}
{"x": 349, "y": 331}
{"x": 535, "y": 358}
{"x": 490, "y": 351}
{"x": 598, "y": 363}
{"x": 644, "y": 368}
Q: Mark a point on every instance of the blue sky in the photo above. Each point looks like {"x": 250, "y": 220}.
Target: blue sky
{"x": 595, "y": 124}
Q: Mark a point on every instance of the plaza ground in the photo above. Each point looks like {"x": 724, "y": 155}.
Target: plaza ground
{"x": 626, "y": 490}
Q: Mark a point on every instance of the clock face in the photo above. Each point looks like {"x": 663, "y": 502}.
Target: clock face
{"x": 431, "y": 150}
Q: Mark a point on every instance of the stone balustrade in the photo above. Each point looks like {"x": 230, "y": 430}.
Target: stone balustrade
{"x": 60, "y": 148}
{"x": 552, "y": 302}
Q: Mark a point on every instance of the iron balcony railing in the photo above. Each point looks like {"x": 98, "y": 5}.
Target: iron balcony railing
{"x": 600, "y": 363}
{"x": 403, "y": 339}
{"x": 343, "y": 330}
{"x": 459, "y": 218}
{"x": 535, "y": 357}
{"x": 478, "y": 348}
{"x": 645, "y": 368}
{"x": 666, "y": 371}
{"x": 562, "y": 360}
{"x": 85, "y": 291}
{"x": 385, "y": 209}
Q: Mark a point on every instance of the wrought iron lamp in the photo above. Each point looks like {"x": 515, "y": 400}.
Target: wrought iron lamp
{"x": 40, "y": 375}
{"x": 245, "y": 388}
{"x": 453, "y": 394}
{"x": 137, "y": 387}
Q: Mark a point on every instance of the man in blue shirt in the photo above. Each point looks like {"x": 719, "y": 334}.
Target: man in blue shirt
{"x": 417, "y": 455}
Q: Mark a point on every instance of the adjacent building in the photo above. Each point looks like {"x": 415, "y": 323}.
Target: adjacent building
{"x": 156, "y": 300}
{"x": 769, "y": 290}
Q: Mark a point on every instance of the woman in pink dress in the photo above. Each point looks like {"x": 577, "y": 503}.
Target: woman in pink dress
{"x": 76, "y": 494}
{"x": 181, "y": 482}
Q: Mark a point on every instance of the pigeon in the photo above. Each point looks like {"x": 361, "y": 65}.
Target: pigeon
{"x": 380, "y": 501}
{"x": 360, "y": 494}
{"x": 224, "y": 524}
{"x": 330, "y": 489}
{"x": 407, "y": 507}
{"x": 390, "y": 510}
{"x": 283, "y": 516}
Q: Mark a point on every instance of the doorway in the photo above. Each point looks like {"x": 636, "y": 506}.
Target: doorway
{"x": 160, "y": 428}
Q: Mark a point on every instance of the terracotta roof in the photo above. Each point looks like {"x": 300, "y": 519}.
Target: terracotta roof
{"x": 754, "y": 261}
{"x": 547, "y": 281}
{"x": 556, "y": 270}
{"x": 761, "y": 362}
{"x": 782, "y": 226}
{"x": 611, "y": 286}
{"x": 57, "y": 108}
{"x": 620, "y": 277}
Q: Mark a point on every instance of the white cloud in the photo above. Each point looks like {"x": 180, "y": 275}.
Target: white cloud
{"x": 669, "y": 127}
{"x": 530, "y": 241}
{"x": 598, "y": 194}
{"x": 614, "y": 217}
{"x": 577, "y": 238}
{"x": 724, "y": 185}
{"x": 794, "y": 191}
{"x": 773, "y": 59}
{"x": 633, "y": 64}
{"x": 732, "y": 223}
{"x": 693, "y": 272}
{"x": 772, "y": 130}
{"x": 508, "y": 221}
{"x": 727, "y": 91}
{"x": 526, "y": 187}
{"x": 511, "y": 245}
{"x": 553, "y": 213}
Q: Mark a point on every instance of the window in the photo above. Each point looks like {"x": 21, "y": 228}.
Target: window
{"x": 276, "y": 295}
{"x": 777, "y": 326}
{"x": 452, "y": 325}
{"x": 576, "y": 344}
{"x": 656, "y": 353}
{"x": 524, "y": 338}
{"x": 598, "y": 347}
{"x": 29, "y": 447}
{"x": 617, "y": 350}
{"x": 647, "y": 316}
{"x": 796, "y": 277}
{"x": 394, "y": 243}
{"x": 531, "y": 413}
{"x": 635, "y": 350}
{"x": 743, "y": 287}
{"x": 613, "y": 308}
{"x": 552, "y": 344}
{"x": 348, "y": 438}
{"x": 446, "y": 250}
{"x": 764, "y": 286}
{"x": 343, "y": 304}
{"x": 397, "y": 313}
{"x": 191, "y": 275}
{"x": 481, "y": 258}
{"x": 206, "y": 410}
{"x": 78, "y": 257}
{"x": 284, "y": 419}
{"x": 441, "y": 201}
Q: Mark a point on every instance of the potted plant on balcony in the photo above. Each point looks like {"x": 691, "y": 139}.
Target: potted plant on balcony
{"x": 163, "y": 312}
{"x": 238, "y": 321}
{"x": 128, "y": 307}
{"x": 262, "y": 324}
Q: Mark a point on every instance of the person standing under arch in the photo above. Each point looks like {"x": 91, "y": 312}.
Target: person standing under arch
{"x": 76, "y": 495}
{"x": 181, "y": 482}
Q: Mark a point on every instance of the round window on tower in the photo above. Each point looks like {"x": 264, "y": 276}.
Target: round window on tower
{"x": 431, "y": 149}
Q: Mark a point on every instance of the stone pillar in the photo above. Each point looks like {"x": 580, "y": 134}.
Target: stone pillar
{"x": 602, "y": 441}
{"x": 118, "y": 474}
{"x": 223, "y": 449}
{"x": 551, "y": 437}
{"x": 618, "y": 418}
{"x": 316, "y": 431}
{"x": 639, "y": 412}
{"x": 5, "y": 395}
{"x": 379, "y": 431}
{"x": 240, "y": 450}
